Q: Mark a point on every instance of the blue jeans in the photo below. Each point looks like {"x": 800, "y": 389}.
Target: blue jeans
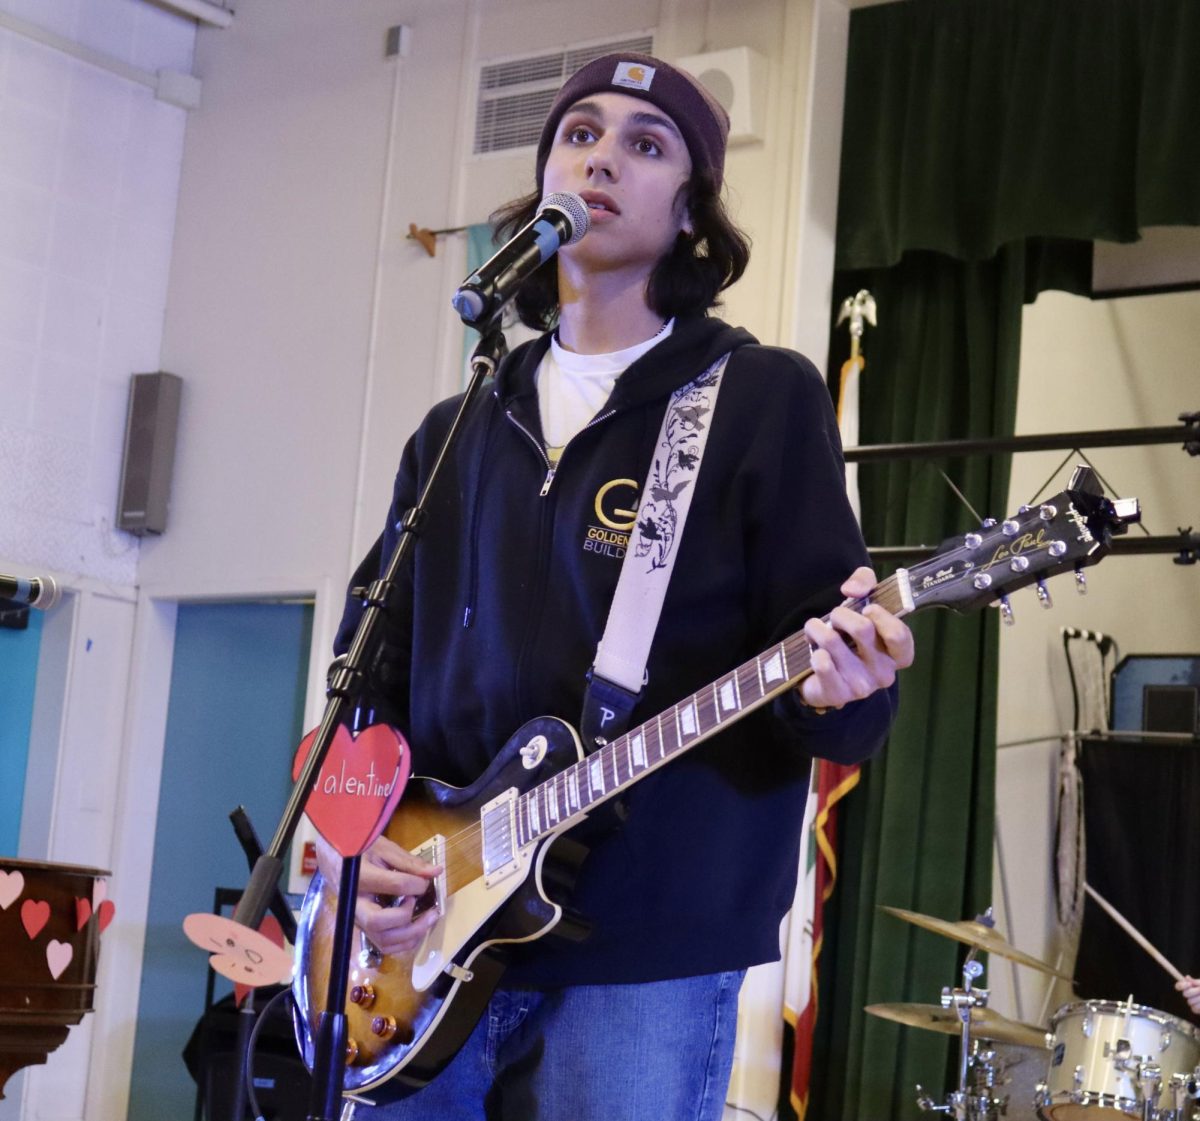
{"x": 651, "y": 1052}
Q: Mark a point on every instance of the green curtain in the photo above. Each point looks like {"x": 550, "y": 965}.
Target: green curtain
{"x": 986, "y": 144}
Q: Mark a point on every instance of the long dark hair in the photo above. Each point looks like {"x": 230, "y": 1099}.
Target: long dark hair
{"x": 687, "y": 279}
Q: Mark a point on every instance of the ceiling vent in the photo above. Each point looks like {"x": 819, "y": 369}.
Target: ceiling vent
{"x": 515, "y": 95}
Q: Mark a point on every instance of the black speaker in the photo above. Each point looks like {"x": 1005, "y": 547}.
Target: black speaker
{"x": 150, "y": 424}
{"x": 282, "y": 1087}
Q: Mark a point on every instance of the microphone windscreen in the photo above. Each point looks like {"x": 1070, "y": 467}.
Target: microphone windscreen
{"x": 570, "y": 204}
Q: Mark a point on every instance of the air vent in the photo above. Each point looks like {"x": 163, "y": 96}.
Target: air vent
{"x": 515, "y": 95}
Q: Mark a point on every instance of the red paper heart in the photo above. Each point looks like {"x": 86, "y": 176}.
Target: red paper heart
{"x": 358, "y": 787}
{"x": 83, "y": 912}
{"x": 35, "y": 913}
{"x": 104, "y": 914}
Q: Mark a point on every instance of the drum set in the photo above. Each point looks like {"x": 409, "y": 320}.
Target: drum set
{"x": 1099, "y": 1060}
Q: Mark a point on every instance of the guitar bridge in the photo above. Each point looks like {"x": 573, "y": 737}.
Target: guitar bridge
{"x": 434, "y": 852}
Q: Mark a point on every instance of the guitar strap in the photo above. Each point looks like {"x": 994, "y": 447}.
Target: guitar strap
{"x": 617, "y": 676}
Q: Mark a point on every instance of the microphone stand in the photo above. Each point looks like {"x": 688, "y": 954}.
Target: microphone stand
{"x": 345, "y": 684}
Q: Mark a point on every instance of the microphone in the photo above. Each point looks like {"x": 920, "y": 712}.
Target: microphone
{"x": 561, "y": 219}
{"x": 41, "y": 593}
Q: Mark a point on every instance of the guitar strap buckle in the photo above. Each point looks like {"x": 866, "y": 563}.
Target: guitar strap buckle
{"x": 606, "y": 711}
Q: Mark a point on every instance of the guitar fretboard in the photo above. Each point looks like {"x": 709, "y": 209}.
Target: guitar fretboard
{"x": 617, "y": 764}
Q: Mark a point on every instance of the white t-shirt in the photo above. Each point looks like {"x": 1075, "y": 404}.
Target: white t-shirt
{"x": 572, "y": 388}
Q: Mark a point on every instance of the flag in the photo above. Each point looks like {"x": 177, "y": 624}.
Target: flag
{"x": 831, "y": 782}
{"x": 847, "y": 417}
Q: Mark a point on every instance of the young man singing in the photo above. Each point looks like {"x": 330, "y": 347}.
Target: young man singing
{"x": 509, "y": 592}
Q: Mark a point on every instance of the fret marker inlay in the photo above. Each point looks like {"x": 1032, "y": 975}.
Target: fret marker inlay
{"x": 687, "y": 719}
{"x": 773, "y": 667}
{"x": 728, "y": 696}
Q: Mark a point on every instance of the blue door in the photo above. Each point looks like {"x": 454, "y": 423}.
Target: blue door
{"x": 234, "y": 721}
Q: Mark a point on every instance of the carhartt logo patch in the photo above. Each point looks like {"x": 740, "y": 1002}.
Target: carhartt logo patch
{"x": 633, "y": 75}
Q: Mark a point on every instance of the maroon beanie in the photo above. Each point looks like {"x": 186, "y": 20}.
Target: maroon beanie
{"x": 698, "y": 115}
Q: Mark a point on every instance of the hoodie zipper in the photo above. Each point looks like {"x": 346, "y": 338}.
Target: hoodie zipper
{"x": 547, "y": 515}
{"x": 552, "y": 468}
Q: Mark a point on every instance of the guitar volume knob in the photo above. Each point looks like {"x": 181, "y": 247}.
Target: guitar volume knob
{"x": 384, "y": 1026}
{"x": 351, "y": 1052}
{"x": 363, "y": 995}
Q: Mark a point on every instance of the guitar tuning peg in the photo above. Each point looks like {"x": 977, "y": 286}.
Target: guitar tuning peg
{"x": 1043, "y": 594}
{"x": 1080, "y": 582}
{"x": 988, "y": 523}
{"x": 1006, "y": 611}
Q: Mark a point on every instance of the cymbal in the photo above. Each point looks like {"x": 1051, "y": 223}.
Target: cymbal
{"x": 974, "y": 934}
{"x": 985, "y": 1024}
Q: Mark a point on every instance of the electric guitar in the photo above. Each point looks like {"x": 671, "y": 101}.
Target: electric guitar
{"x": 408, "y": 1014}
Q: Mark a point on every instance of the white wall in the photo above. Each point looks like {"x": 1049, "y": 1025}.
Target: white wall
{"x": 1088, "y": 365}
{"x": 89, "y": 176}
{"x": 87, "y": 207}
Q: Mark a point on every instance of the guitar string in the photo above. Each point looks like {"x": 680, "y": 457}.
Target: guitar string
{"x": 795, "y": 647}
{"x": 460, "y": 860}
{"x": 460, "y": 849}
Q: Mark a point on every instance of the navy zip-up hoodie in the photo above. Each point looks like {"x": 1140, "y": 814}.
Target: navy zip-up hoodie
{"x": 499, "y": 617}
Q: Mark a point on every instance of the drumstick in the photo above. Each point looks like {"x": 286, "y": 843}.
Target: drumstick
{"x": 1132, "y": 931}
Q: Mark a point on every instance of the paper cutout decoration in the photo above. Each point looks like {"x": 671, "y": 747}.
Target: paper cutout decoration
{"x": 58, "y": 957}
{"x": 11, "y": 886}
{"x": 243, "y": 955}
{"x": 35, "y": 913}
{"x": 358, "y": 787}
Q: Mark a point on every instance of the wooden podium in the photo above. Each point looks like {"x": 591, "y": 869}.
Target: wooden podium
{"x": 50, "y": 924}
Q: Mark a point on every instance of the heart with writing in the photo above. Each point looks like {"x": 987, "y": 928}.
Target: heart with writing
{"x": 248, "y": 957}
{"x": 270, "y": 929}
{"x": 358, "y": 786}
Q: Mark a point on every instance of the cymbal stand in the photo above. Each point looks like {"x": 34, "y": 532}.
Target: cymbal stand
{"x": 973, "y": 1100}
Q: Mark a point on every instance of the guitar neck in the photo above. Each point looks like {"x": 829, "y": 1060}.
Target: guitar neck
{"x": 566, "y": 797}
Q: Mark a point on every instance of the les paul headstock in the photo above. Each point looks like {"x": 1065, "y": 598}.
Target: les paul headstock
{"x": 1065, "y": 533}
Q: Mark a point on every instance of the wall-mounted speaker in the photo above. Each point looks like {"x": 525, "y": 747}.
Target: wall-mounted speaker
{"x": 737, "y": 78}
{"x": 149, "y": 458}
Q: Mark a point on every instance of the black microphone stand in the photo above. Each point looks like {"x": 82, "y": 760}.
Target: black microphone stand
{"x": 344, "y": 687}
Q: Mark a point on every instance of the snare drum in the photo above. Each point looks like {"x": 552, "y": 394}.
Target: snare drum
{"x": 1095, "y": 1051}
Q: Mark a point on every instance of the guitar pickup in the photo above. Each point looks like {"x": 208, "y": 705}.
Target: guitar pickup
{"x": 498, "y": 820}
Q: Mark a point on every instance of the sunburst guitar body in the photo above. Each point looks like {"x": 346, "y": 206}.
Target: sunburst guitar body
{"x": 408, "y": 1014}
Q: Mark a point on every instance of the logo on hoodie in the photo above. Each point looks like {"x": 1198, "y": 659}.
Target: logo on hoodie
{"x": 616, "y": 515}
